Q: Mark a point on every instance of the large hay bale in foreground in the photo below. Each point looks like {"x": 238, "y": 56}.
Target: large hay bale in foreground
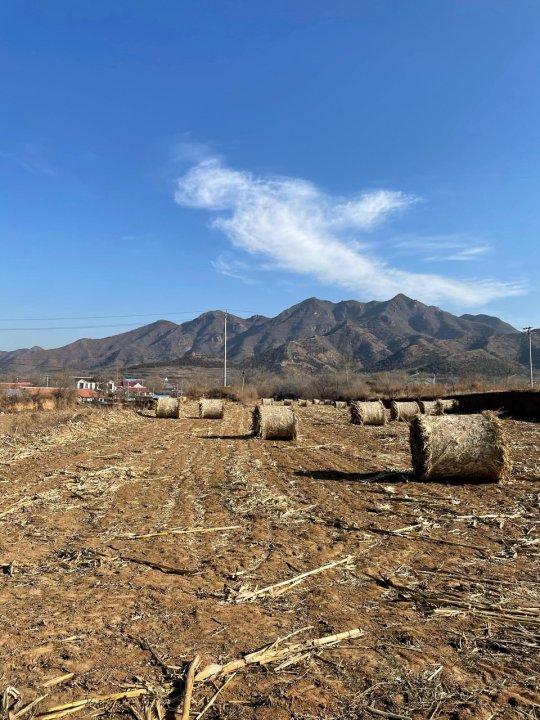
{"x": 274, "y": 423}
{"x": 430, "y": 407}
{"x": 448, "y": 405}
{"x": 267, "y": 401}
{"x": 404, "y": 411}
{"x": 458, "y": 447}
{"x": 368, "y": 413}
{"x": 341, "y": 404}
{"x": 302, "y": 403}
{"x": 287, "y": 401}
{"x": 211, "y": 409}
{"x": 168, "y": 408}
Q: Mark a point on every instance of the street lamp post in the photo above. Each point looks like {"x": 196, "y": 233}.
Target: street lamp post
{"x": 225, "y": 351}
{"x": 529, "y": 330}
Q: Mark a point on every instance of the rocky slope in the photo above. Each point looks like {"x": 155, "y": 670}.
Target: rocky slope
{"x": 398, "y": 334}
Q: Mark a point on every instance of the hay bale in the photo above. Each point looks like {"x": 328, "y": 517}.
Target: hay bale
{"x": 287, "y": 401}
{"x": 341, "y": 404}
{"x": 404, "y": 411}
{"x": 448, "y": 405}
{"x": 275, "y": 423}
{"x": 267, "y": 401}
{"x": 368, "y": 413}
{"x": 430, "y": 407}
{"x": 302, "y": 403}
{"x": 328, "y": 402}
{"x": 316, "y": 401}
{"x": 211, "y": 409}
{"x": 168, "y": 408}
{"x": 459, "y": 447}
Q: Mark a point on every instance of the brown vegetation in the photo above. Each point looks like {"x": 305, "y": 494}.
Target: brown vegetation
{"x": 315, "y": 579}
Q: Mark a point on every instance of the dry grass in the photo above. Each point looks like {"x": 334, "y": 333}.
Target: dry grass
{"x": 459, "y": 447}
{"x": 273, "y": 423}
{"x": 368, "y": 413}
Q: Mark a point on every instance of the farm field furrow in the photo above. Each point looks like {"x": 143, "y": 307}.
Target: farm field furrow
{"x": 101, "y": 580}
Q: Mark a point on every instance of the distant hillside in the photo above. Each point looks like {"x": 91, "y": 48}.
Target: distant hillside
{"x": 400, "y": 333}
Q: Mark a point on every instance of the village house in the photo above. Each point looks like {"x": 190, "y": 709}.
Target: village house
{"x": 134, "y": 388}
{"x": 89, "y": 382}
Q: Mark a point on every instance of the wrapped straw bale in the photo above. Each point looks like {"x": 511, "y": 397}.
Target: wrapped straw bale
{"x": 404, "y": 411}
{"x": 368, "y": 413}
{"x": 341, "y": 404}
{"x": 448, "y": 405}
{"x": 211, "y": 409}
{"x": 267, "y": 401}
{"x": 316, "y": 401}
{"x": 274, "y": 423}
{"x": 459, "y": 447}
{"x": 430, "y": 407}
{"x": 302, "y": 403}
{"x": 328, "y": 402}
{"x": 168, "y": 408}
{"x": 287, "y": 401}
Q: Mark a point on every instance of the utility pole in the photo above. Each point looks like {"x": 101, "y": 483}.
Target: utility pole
{"x": 529, "y": 330}
{"x": 225, "y": 351}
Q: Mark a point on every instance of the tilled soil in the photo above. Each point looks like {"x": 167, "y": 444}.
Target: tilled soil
{"x": 443, "y": 580}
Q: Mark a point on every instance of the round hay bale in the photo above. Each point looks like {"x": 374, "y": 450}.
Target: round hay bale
{"x": 462, "y": 447}
{"x": 430, "y": 407}
{"x": 316, "y": 401}
{"x": 368, "y": 413}
{"x": 168, "y": 408}
{"x": 328, "y": 402}
{"x": 211, "y": 409}
{"x": 448, "y": 405}
{"x": 404, "y": 411}
{"x": 275, "y": 423}
{"x": 267, "y": 401}
{"x": 341, "y": 404}
{"x": 302, "y": 403}
{"x": 287, "y": 401}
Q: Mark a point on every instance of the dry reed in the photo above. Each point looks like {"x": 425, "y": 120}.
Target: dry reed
{"x": 368, "y": 413}
{"x": 404, "y": 411}
{"x": 459, "y": 447}
{"x": 430, "y": 407}
{"x": 276, "y": 423}
{"x": 448, "y": 405}
{"x": 168, "y": 408}
{"x": 211, "y": 409}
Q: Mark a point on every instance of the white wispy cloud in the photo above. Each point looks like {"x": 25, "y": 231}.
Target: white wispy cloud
{"x": 456, "y": 247}
{"x": 304, "y": 230}
{"x": 231, "y": 267}
{"x": 31, "y": 157}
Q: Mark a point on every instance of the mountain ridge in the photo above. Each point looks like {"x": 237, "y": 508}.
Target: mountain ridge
{"x": 314, "y": 334}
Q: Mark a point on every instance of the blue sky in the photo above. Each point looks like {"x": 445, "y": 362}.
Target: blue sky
{"x": 162, "y": 159}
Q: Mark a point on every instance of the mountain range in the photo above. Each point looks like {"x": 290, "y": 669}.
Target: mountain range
{"x": 398, "y": 334}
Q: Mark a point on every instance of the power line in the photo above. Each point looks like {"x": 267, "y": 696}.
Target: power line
{"x": 68, "y": 327}
{"x": 111, "y": 317}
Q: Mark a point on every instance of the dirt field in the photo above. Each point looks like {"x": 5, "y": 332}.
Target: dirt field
{"x": 441, "y": 580}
